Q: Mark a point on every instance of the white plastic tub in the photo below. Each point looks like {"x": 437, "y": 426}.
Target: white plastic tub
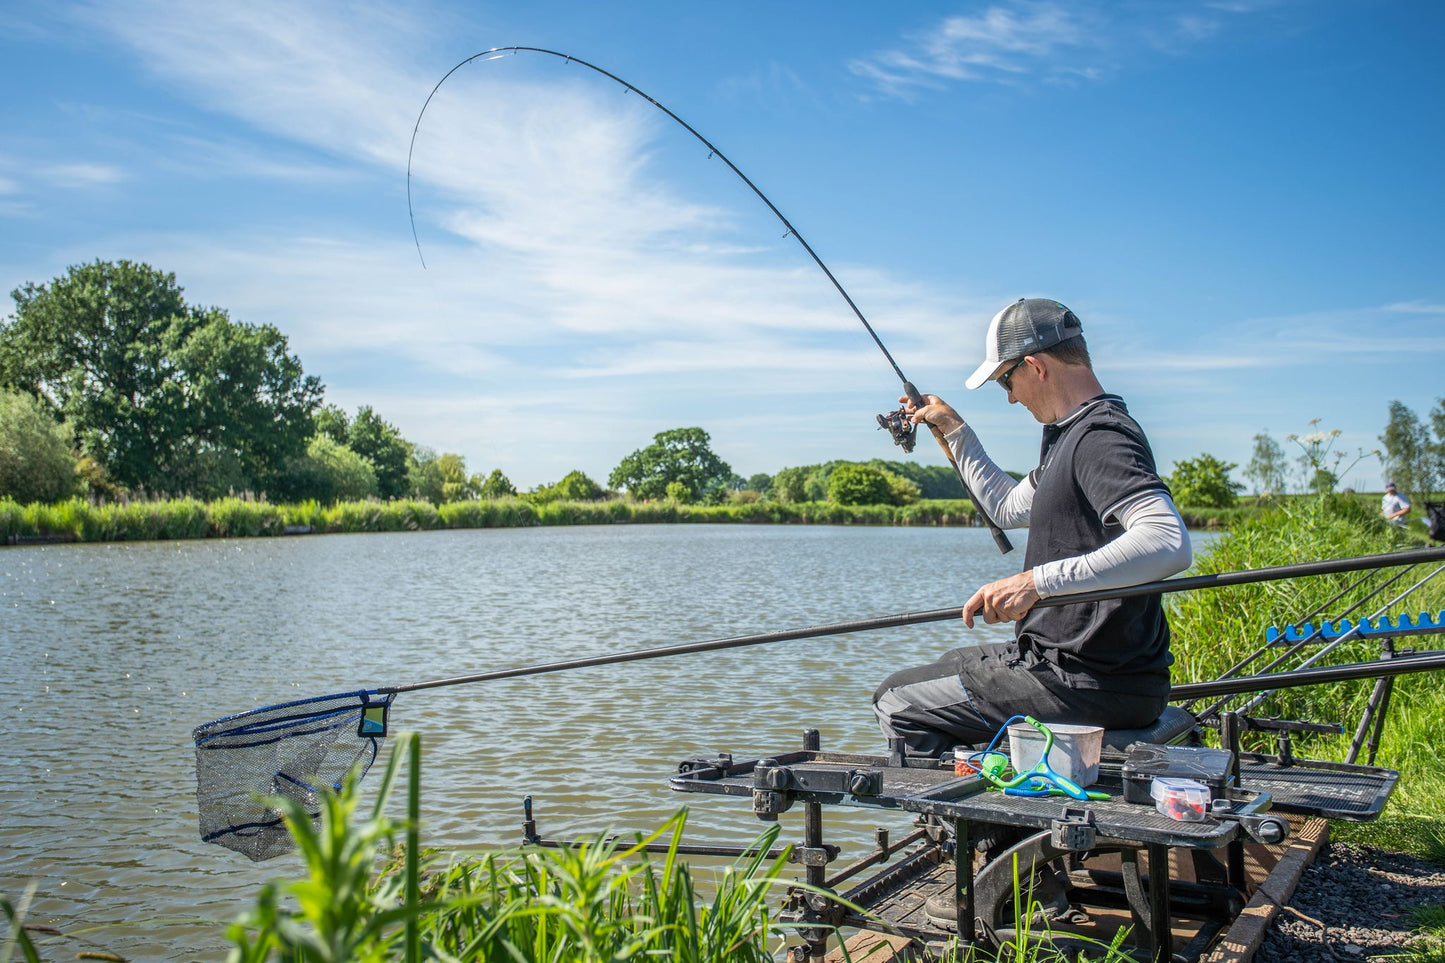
{"x": 1075, "y": 753}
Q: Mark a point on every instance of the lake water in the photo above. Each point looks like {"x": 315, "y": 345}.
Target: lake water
{"x": 114, "y": 652}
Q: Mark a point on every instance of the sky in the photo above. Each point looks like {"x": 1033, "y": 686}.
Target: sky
{"x": 1241, "y": 199}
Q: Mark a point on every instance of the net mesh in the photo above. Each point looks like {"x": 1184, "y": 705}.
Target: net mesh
{"x": 296, "y": 749}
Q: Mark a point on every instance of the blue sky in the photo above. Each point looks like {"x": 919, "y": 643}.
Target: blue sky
{"x": 1241, "y": 199}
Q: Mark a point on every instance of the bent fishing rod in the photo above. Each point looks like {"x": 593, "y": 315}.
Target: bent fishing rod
{"x": 896, "y": 422}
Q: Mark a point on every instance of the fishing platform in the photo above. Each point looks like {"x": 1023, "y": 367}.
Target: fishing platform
{"x": 1178, "y": 884}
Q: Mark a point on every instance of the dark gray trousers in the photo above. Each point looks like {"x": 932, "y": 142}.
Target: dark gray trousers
{"x": 964, "y": 697}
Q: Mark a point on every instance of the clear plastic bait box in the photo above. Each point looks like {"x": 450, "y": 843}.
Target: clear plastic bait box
{"x": 1181, "y": 799}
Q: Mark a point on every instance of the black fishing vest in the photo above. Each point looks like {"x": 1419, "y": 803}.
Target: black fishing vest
{"x": 1089, "y": 462}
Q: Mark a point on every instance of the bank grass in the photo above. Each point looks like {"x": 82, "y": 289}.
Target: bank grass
{"x": 82, "y": 521}
{"x": 1215, "y": 629}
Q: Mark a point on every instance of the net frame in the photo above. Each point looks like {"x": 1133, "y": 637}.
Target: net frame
{"x": 298, "y": 750}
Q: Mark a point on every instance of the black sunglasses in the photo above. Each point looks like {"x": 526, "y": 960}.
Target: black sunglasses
{"x": 1005, "y": 380}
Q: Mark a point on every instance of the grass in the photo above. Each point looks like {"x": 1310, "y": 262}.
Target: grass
{"x": 79, "y": 520}
{"x": 598, "y": 901}
{"x": 1215, "y": 629}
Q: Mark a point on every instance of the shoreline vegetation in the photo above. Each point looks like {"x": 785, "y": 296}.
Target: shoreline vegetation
{"x": 80, "y": 520}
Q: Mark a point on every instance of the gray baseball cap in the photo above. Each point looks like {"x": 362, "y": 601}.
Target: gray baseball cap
{"x": 1027, "y": 326}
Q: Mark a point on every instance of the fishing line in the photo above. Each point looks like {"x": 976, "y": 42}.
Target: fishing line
{"x": 496, "y": 53}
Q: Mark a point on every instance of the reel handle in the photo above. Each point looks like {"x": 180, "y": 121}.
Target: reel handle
{"x": 999, "y": 538}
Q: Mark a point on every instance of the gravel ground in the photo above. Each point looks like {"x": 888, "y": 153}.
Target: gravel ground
{"x": 1353, "y": 904}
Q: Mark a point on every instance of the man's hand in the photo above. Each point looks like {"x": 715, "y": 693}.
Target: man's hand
{"x": 1006, "y": 600}
{"x": 935, "y": 411}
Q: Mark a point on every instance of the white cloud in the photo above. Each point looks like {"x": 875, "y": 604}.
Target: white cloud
{"x": 80, "y": 175}
{"x": 1027, "y": 40}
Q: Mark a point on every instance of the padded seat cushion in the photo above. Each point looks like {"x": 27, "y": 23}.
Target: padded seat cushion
{"x": 1173, "y": 727}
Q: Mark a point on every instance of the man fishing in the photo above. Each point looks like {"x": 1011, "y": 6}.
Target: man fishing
{"x": 1098, "y": 517}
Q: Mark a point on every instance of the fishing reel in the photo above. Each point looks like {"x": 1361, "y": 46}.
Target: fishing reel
{"x": 896, "y": 423}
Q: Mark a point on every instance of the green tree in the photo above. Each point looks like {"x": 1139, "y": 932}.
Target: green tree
{"x": 851, "y": 483}
{"x": 497, "y": 485}
{"x": 381, "y": 444}
{"x": 36, "y": 464}
{"x": 789, "y": 485}
{"x": 243, "y": 402}
{"x": 328, "y": 472}
{"x": 1204, "y": 482}
{"x": 762, "y": 483}
{"x": 1266, "y": 468}
{"x": 90, "y": 344}
{"x": 333, "y": 422}
{"x": 680, "y": 455}
{"x": 1437, "y": 446}
{"x": 859, "y": 485}
{"x": 441, "y": 478}
{"x": 575, "y": 486}
{"x": 1408, "y": 453}
{"x": 160, "y": 394}
{"x": 902, "y": 491}
{"x": 933, "y": 481}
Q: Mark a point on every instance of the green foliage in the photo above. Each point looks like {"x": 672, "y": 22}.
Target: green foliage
{"x": 240, "y": 402}
{"x": 575, "y": 486}
{"x": 497, "y": 485}
{"x": 1204, "y": 482}
{"x": 35, "y": 460}
{"x": 441, "y": 478}
{"x": 600, "y": 900}
{"x": 762, "y": 483}
{"x": 1412, "y": 460}
{"x": 859, "y": 485}
{"x": 933, "y": 481}
{"x": 229, "y": 517}
{"x": 790, "y": 485}
{"x": 1214, "y": 629}
{"x": 165, "y": 396}
{"x": 680, "y": 455}
{"x": 333, "y": 422}
{"x": 381, "y": 444}
{"x": 906, "y": 482}
{"x": 344, "y": 474}
{"x": 1266, "y": 467}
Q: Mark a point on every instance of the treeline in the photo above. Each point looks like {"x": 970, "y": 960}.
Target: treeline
{"x": 115, "y": 389}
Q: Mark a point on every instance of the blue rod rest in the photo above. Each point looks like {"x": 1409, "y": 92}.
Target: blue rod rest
{"x": 1403, "y": 625}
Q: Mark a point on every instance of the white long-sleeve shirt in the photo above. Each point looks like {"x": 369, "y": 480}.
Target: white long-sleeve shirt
{"x": 1154, "y": 544}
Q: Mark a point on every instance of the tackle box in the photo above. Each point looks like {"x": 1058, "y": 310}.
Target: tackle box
{"x": 1212, "y": 767}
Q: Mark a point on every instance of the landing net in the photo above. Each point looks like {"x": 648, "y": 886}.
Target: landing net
{"x": 296, "y": 750}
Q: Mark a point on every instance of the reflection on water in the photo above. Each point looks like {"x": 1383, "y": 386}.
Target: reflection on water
{"x": 114, "y": 652}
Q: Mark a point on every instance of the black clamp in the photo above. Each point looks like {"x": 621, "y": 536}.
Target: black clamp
{"x": 1074, "y": 830}
{"x": 1267, "y": 828}
{"x": 707, "y": 768}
